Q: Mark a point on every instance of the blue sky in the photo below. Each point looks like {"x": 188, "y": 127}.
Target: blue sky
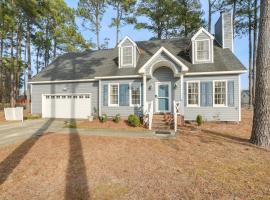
{"x": 240, "y": 44}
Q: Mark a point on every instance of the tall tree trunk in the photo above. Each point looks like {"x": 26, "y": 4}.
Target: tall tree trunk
{"x": 261, "y": 120}
{"x": 12, "y": 79}
{"x": 54, "y": 48}
{"x": 19, "y": 59}
{"x": 46, "y": 56}
{"x": 1, "y": 67}
{"x": 97, "y": 31}
{"x": 233, "y": 17}
{"x": 29, "y": 71}
{"x": 209, "y": 15}
{"x": 24, "y": 76}
{"x": 255, "y": 40}
{"x": 37, "y": 59}
{"x": 117, "y": 24}
{"x": 250, "y": 54}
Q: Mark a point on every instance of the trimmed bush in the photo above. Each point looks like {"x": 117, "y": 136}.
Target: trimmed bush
{"x": 103, "y": 118}
{"x": 199, "y": 120}
{"x": 117, "y": 118}
{"x": 134, "y": 120}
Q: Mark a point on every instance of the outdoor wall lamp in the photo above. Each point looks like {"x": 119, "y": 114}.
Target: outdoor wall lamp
{"x": 150, "y": 87}
{"x": 175, "y": 85}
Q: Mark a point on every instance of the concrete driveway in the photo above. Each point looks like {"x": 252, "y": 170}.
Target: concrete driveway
{"x": 13, "y": 132}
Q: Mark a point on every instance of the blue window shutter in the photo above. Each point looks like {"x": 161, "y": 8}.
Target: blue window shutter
{"x": 185, "y": 93}
{"x": 203, "y": 93}
{"x": 230, "y": 93}
{"x": 124, "y": 95}
{"x": 209, "y": 92}
{"x": 105, "y": 95}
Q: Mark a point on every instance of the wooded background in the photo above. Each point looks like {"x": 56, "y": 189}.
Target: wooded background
{"x": 34, "y": 32}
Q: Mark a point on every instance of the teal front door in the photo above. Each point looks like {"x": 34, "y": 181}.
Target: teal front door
{"x": 163, "y": 97}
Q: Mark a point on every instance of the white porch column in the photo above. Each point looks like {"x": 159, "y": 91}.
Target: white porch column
{"x": 99, "y": 98}
{"x": 144, "y": 93}
{"x": 182, "y": 94}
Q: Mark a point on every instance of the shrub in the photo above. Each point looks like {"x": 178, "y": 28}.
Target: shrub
{"x": 134, "y": 120}
{"x": 116, "y": 118}
{"x": 103, "y": 118}
{"x": 199, "y": 120}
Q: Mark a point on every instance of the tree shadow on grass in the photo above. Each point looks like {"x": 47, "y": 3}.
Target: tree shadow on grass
{"x": 76, "y": 178}
{"x": 13, "y": 160}
{"x": 226, "y": 137}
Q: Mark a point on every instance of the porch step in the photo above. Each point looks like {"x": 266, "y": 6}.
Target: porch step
{"x": 163, "y": 122}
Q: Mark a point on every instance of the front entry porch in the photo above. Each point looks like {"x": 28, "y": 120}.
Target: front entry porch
{"x": 163, "y": 99}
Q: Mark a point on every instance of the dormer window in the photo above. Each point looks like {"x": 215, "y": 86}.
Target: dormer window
{"x": 202, "y": 47}
{"x": 203, "y": 50}
{"x": 127, "y": 55}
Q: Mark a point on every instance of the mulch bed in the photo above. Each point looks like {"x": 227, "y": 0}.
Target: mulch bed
{"x": 214, "y": 163}
{"x": 96, "y": 124}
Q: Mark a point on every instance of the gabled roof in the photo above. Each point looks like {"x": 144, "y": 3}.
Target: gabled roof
{"x": 126, "y": 38}
{"x": 202, "y": 30}
{"x": 101, "y": 63}
{"x": 163, "y": 49}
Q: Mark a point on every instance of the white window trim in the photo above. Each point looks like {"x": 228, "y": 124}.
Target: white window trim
{"x": 196, "y": 55}
{"x": 226, "y": 96}
{"x": 130, "y": 96}
{"x": 199, "y": 94}
{"x": 132, "y": 56}
{"x": 109, "y": 95}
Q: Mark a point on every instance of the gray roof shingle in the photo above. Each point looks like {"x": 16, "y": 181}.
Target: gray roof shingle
{"x": 90, "y": 64}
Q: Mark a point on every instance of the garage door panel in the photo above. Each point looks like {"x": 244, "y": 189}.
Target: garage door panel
{"x": 77, "y": 106}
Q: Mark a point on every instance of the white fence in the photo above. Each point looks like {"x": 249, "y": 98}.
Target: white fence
{"x": 12, "y": 114}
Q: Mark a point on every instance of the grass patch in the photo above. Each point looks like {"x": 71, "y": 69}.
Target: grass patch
{"x": 70, "y": 124}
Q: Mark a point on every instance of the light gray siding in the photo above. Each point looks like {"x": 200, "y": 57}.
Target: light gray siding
{"x": 63, "y": 88}
{"x": 215, "y": 113}
{"x": 228, "y": 31}
{"x": 124, "y": 111}
{"x": 202, "y": 36}
{"x": 163, "y": 74}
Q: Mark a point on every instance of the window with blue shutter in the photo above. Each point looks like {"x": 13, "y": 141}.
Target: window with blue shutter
{"x": 105, "y": 95}
{"x": 231, "y": 93}
{"x": 124, "y": 95}
{"x": 206, "y": 94}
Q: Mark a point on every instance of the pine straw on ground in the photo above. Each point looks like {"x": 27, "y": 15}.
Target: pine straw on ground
{"x": 96, "y": 124}
{"x": 216, "y": 162}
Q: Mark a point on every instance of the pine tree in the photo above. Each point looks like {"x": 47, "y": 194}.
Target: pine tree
{"x": 261, "y": 120}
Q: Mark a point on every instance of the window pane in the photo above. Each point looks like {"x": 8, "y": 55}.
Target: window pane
{"x": 127, "y": 55}
{"x": 220, "y": 92}
{"x": 203, "y": 50}
{"x": 193, "y": 93}
{"x": 113, "y": 94}
{"x": 135, "y": 96}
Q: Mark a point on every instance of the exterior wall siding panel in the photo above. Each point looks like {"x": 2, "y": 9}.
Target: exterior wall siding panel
{"x": 63, "y": 88}
{"x": 124, "y": 111}
{"x": 215, "y": 113}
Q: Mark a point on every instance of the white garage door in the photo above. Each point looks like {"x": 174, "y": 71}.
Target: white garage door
{"x": 74, "y": 106}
